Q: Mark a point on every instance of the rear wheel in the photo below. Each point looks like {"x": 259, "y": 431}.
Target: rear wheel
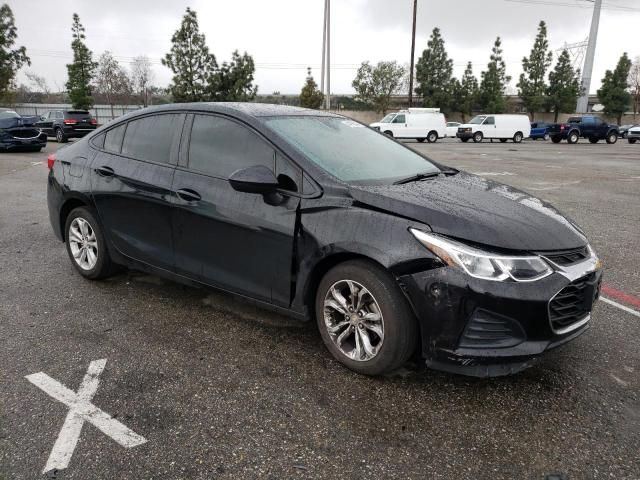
{"x": 517, "y": 138}
{"x": 86, "y": 245}
{"x": 363, "y": 318}
{"x": 432, "y": 137}
{"x": 477, "y": 137}
{"x": 556, "y": 139}
{"x": 60, "y": 136}
{"x": 612, "y": 138}
{"x": 573, "y": 137}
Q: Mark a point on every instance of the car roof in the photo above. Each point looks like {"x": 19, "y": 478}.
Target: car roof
{"x": 243, "y": 108}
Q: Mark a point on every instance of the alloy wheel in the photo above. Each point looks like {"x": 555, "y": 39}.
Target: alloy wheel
{"x": 353, "y": 320}
{"x": 59, "y": 136}
{"x": 83, "y": 243}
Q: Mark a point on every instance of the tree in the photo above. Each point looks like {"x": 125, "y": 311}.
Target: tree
{"x": 375, "y": 85}
{"x": 532, "y": 86}
{"x": 466, "y": 92}
{"x": 613, "y": 93}
{"x": 634, "y": 86}
{"x": 141, "y": 78}
{"x": 564, "y": 86}
{"x": 311, "y": 96}
{"x": 233, "y": 81}
{"x": 190, "y": 61}
{"x": 81, "y": 71}
{"x": 11, "y": 59}
{"x": 112, "y": 80}
{"x": 494, "y": 82}
{"x": 433, "y": 74}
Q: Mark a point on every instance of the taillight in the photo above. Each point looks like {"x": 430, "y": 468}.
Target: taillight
{"x": 562, "y": 127}
{"x": 94, "y": 121}
{"x": 51, "y": 159}
{"x": 70, "y": 121}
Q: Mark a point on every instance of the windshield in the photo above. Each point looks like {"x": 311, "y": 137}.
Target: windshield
{"x": 477, "y": 120}
{"x": 388, "y": 118}
{"x": 350, "y": 151}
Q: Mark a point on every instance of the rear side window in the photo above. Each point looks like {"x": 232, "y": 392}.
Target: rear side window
{"x": 113, "y": 139}
{"x": 219, "y": 147}
{"x": 150, "y": 138}
{"x": 574, "y": 120}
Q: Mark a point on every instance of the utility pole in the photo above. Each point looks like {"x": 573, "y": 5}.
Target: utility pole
{"x": 324, "y": 47}
{"x": 583, "y": 101}
{"x": 328, "y": 97}
{"x": 413, "y": 49}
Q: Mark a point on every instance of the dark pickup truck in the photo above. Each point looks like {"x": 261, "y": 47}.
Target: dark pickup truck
{"x": 587, "y": 126}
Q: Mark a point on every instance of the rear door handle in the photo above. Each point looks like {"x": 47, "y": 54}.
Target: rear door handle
{"x": 105, "y": 171}
{"x": 188, "y": 195}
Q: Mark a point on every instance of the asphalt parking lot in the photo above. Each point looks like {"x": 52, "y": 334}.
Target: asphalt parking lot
{"x": 220, "y": 389}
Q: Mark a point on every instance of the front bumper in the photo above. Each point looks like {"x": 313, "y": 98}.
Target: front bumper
{"x": 486, "y": 328}
{"x": 15, "y": 143}
{"x": 464, "y": 135}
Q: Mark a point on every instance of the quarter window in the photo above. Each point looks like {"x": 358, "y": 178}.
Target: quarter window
{"x": 113, "y": 139}
{"x": 150, "y": 138}
{"x": 220, "y": 146}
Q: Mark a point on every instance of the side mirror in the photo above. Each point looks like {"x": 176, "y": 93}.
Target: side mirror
{"x": 256, "y": 179}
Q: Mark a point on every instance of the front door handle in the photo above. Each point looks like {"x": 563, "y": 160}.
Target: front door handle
{"x": 188, "y": 195}
{"x": 105, "y": 171}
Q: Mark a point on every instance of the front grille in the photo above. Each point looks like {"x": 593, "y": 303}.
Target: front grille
{"x": 567, "y": 257}
{"x": 572, "y": 303}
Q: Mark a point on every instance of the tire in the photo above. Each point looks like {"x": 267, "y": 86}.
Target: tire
{"x": 503, "y": 140}
{"x": 421, "y": 140}
{"x": 477, "y": 137}
{"x": 464, "y": 140}
{"x": 594, "y": 140}
{"x": 573, "y": 137}
{"x": 517, "y": 138}
{"x": 84, "y": 222}
{"x": 612, "y": 137}
{"x": 397, "y": 324}
{"x": 389, "y": 132}
{"x": 631, "y": 140}
{"x": 432, "y": 137}
{"x": 556, "y": 139}
{"x": 546, "y": 137}
{"x": 60, "y": 136}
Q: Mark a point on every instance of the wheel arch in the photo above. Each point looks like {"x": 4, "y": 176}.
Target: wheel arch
{"x": 70, "y": 204}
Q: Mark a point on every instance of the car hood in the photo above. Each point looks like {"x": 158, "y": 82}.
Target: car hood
{"x": 478, "y": 210}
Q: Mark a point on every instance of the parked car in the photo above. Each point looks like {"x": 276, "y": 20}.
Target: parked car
{"x": 66, "y": 124}
{"x": 586, "y": 126}
{"x": 501, "y": 127}
{"x": 316, "y": 216}
{"x": 452, "y": 128}
{"x": 15, "y": 135}
{"x": 419, "y": 123}
{"x": 622, "y": 130}
{"x": 539, "y": 130}
{"x": 633, "y": 134}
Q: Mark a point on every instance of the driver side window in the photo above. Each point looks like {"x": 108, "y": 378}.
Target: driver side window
{"x": 490, "y": 121}
{"x": 399, "y": 119}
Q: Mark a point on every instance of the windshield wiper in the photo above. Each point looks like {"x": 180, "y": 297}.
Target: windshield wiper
{"x": 417, "y": 177}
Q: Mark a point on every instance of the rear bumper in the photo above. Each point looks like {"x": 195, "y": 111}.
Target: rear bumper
{"x": 484, "y": 328}
{"x": 77, "y": 132}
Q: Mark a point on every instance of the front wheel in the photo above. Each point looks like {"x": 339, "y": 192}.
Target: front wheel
{"x": 389, "y": 132}
{"x": 60, "y": 136}
{"x": 432, "y": 137}
{"x": 573, "y": 137}
{"x": 363, "y": 318}
{"x": 86, "y": 244}
{"x": 477, "y": 137}
{"x": 612, "y": 138}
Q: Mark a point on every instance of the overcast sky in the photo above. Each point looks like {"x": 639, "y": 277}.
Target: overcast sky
{"x": 284, "y": 36}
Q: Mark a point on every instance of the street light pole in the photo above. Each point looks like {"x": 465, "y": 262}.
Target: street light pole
{"x": 583, "y": 101}
{"x": 324, "y": 47}
{"x": 328, "y": 54}
{"x": 413, "y": 49}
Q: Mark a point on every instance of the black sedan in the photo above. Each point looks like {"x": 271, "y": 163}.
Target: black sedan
{"x": 18, "y": 134}
{"x": 317, "y": 216}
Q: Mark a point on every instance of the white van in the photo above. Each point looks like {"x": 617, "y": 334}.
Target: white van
{"x": 501, "y": 127}
{"x": 419, "y": 123}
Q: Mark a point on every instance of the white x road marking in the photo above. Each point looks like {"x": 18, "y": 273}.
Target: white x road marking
{"x": 80, "y": 410}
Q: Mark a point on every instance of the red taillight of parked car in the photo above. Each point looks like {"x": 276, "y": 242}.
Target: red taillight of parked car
{"x": 70, "y": 121}
{"x": 93, "y": 121}
{"x": 562, "y": 127}
{"x": 51, "y": 159}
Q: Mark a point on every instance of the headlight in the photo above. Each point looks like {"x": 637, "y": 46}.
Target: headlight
{"x": 485, "y": 265}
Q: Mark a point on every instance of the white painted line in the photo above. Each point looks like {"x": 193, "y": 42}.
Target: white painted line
{"x": 81, "y": 410}
{"x": 621, "y": 307}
